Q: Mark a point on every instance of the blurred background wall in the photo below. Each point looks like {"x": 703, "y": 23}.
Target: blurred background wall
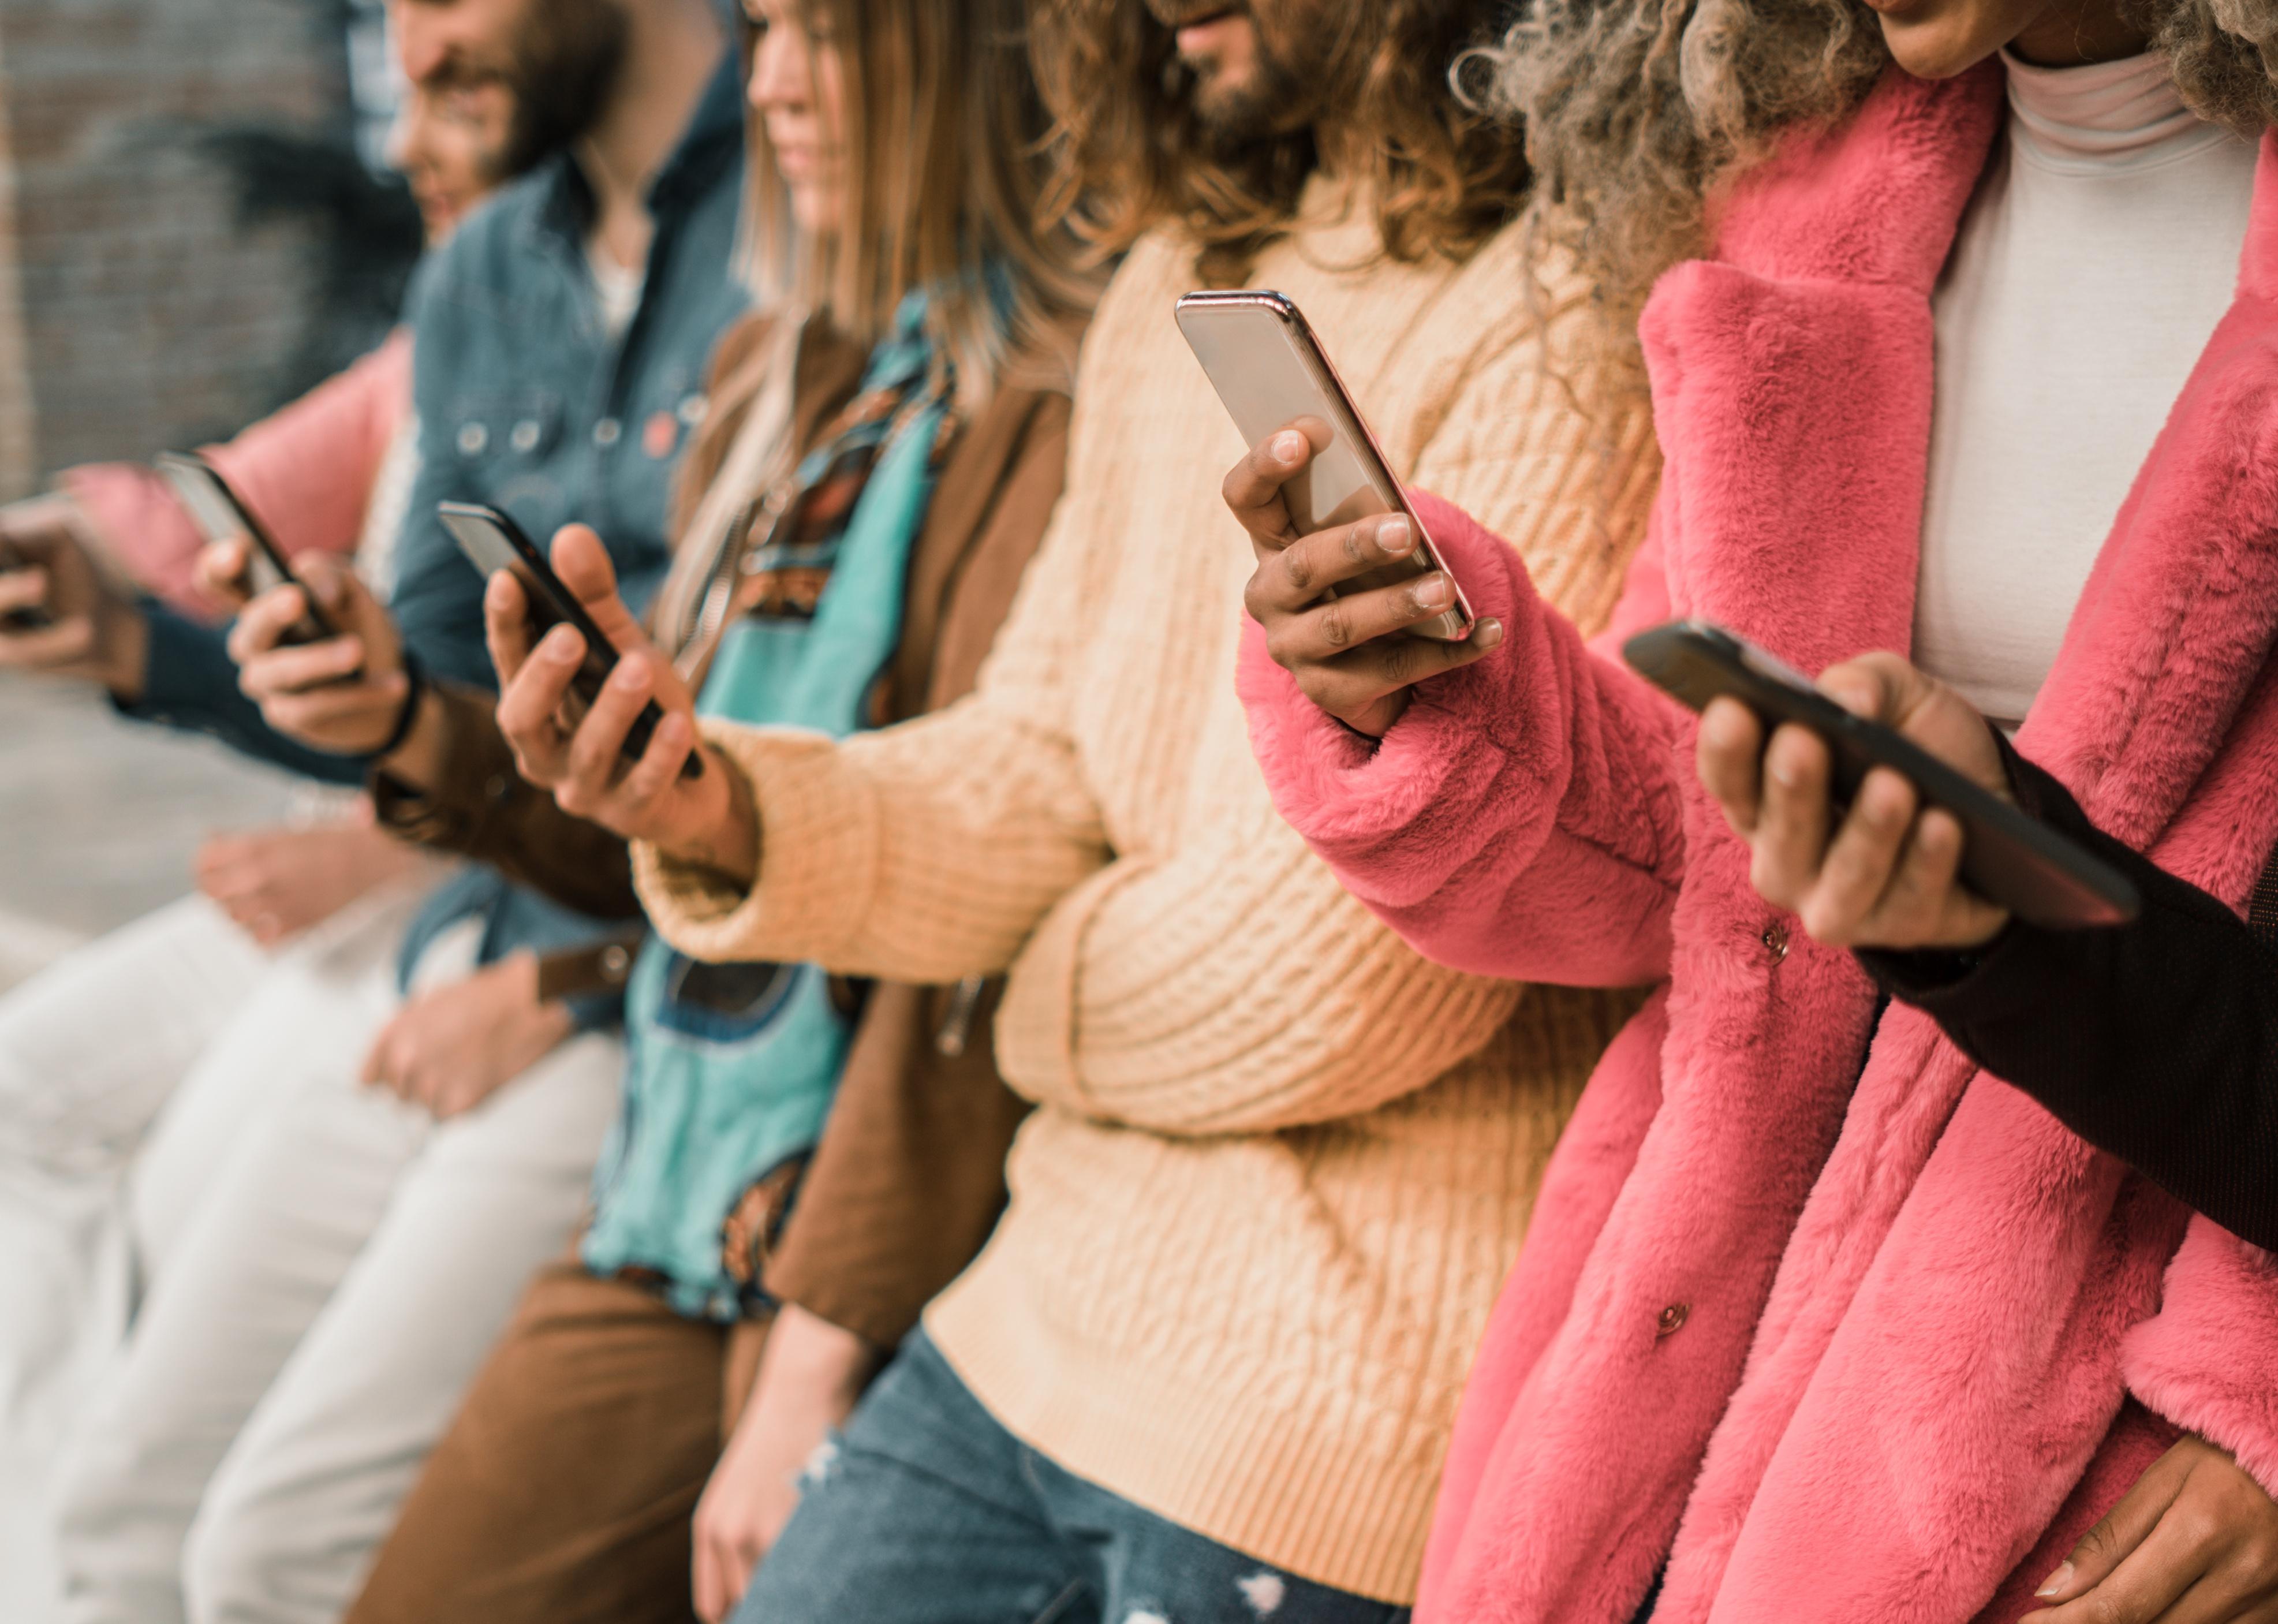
{"x": 195, "y": 227}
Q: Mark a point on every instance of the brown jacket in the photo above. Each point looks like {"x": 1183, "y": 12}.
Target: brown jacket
{"x": 908, "y": 1179}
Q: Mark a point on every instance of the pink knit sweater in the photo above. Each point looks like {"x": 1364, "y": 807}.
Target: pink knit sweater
{"x": 1838, "y": 1327}
{"x": 307, "y": 469}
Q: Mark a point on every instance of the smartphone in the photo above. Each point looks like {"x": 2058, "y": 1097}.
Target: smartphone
{"x": 2006, "y": 857}
{"x": 220, "y": 513}
{"x": 492, "y": 541}
{"x": 1271, "y": 372}
{"x": 32, "y": 618}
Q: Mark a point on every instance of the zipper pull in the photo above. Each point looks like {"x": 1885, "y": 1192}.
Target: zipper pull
{"x": 956, "y": 1026}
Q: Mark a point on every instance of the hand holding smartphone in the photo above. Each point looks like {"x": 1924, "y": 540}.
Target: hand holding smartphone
{"x": 492, "y": 541}
{"x": 222, "y": 515}
{"x": 2007, "y": 858}
{"x": 1272, "y": 373}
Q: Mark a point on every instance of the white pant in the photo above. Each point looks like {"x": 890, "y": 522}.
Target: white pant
{"x": 318, "y": 1317}
{"x": 93, "y": 1053}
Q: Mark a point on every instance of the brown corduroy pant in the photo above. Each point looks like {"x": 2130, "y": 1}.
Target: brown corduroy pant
{"x": 563, "y": 1491}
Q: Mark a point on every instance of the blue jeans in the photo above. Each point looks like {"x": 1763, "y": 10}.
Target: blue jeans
{"x": 929, "y": 1512}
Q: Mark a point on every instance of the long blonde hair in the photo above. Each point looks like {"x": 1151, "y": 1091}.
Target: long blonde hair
{"x": 946, "y": 153}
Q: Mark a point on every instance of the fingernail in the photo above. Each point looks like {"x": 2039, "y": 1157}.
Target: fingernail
{"x": 631, "y": 674}
{"x": 1488, "y": 633}
{"x": 2055, "y": 1583}
{"x": 1395, "y": 537}
{"x": 1432, "y": 593}
{"x": 1288, "y": 446}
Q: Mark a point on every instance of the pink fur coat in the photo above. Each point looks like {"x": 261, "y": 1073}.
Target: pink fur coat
{"x": 1840, "y": 1328}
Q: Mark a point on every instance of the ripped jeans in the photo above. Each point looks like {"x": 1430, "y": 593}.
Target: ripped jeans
{"x": 928, "y": 1511}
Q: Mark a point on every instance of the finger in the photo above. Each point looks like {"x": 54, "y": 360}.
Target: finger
{"x": 658, "y": 769}
{"x": 1730, "y": 757}
{"x": 1295, "y": 578}
{"x": 366, "y": 707}
{"x": 1926, "y": 905}
{"x": 64, "y": 643}
{"x": 737, "y": 1564}
{"x": 378, "y": 1067}
{"x": 1870, "y": 686}
{"x": 1347, "y": 685}
{"x": 2151, "y": 1578}
{"x": 505, "y": 623}
{"x": 1791, "y": 836}
{"x": 224, "y": 569}
{"x": 264, "y": 622}
{"x": 300, "y": 667}
{"x": 23, "y": 589}
{"x": 529, "y": 710}
{"x": 1340, "y": 624}
{"x": 597, "y": 748}
{"x": 1252, "y": 489}
{"x": 2121, "y": 1529}
{"x": 1863, "y": 859}
{"x": 583, "y": 565}
{"x": 710, "y": 1591}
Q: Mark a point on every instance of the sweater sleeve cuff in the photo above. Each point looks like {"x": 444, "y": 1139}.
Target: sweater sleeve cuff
{"x": 1355, "y": 799}
{"x": 2208, "y": 1360}
{"x": 819, "y": 834}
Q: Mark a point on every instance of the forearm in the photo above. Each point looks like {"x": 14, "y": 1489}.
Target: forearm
{"x": 2156, "y": 1040}
{"x": 925, "y": 853}
{"x": 1521, "y": 819}
{"x": 454, "y": 788}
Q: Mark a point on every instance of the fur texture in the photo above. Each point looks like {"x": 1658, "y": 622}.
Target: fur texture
{"x": 1844, "y": 1343}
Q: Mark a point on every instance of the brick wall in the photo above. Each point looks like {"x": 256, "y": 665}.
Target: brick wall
{"x": 135, "y": 311}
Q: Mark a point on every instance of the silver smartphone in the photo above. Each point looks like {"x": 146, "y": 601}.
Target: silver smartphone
{"x": 1271, "y": 373}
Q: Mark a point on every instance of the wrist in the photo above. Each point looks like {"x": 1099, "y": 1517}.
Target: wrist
{"x": 420, "y": 758}
{"x": 724, "y": 833}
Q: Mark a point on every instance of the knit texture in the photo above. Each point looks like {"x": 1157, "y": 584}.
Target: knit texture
{"x": 1282, "y": 1162}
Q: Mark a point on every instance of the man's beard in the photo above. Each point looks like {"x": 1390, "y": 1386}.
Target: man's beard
{"x": 567, "y": 56}
{"x": 1280, "y": 94}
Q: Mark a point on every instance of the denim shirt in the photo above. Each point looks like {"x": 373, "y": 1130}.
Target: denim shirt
{"x": 526, "y": 401}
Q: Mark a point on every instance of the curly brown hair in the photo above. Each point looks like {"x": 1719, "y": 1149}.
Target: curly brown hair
{"x": 1132, "y": 153}
{"x": 1635, "y": 111}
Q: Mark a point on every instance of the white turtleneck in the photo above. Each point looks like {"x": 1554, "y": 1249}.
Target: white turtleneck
{"x": 2100, "y": 252}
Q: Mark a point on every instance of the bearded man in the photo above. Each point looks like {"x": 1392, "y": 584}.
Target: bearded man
{"x": 332, "y": 1288}
{"x": 1207, "y": 1365}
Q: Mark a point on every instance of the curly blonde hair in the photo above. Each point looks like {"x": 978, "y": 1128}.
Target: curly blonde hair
{"x": 1636, "y": 111}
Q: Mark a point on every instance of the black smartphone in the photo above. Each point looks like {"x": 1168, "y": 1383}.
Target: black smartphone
{"x": 32, "y": 617}
{"x": 220, "y": 513}
{"x": 492, "y": 541}
{"x": 2006, "y": 857}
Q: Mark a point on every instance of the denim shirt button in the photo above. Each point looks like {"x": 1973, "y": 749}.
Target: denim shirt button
{"x": 606, "y": 432}
{"x": 692, "y": 410}
{"x": 473, "y": 437}
{"x": 524, "y": 438}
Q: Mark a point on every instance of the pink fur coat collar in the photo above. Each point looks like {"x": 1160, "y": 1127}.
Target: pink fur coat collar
{"x": 1855, "y": 1353}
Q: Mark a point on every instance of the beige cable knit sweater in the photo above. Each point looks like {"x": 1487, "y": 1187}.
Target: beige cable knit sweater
{"x": 1283, "y": 1163}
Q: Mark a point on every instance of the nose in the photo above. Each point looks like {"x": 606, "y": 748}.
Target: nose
{"x": 779, "y": 70}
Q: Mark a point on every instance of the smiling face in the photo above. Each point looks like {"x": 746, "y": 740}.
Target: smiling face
{"x": 450, "y": 141}
{"x": 1938, "y": 39}
{"x": 558, "y": 60}
{"x": 798, "y": 87}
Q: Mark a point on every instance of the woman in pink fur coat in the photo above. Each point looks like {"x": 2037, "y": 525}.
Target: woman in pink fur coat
{"x": 1814, "y": 1321}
